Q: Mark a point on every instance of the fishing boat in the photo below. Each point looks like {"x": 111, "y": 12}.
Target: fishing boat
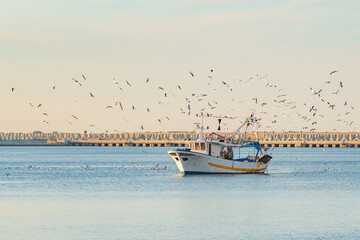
{"x": 218, "y": 153}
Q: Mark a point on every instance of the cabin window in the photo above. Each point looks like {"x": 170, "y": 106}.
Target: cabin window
{"x": 192, "y": 146}
{"x": 197, "y": 146}
{"x": 203, "y": 146}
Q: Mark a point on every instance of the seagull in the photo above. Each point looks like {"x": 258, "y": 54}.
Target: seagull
{"x": 249, "y": 79}
{"x": 333, "y": 72}
{"x": 39, "y": 105}
{"x": 161, "y": 88}
{"x": 147, "y": 80}
{"x": 84, "y": 77}
{"x": 191, "y": 74}
{"x": 159, "y": 120}
{"x": 54, "y": 87}
{"x": 91, "y": 95}
{"x": 255, "y": 99}
{"x": 133, "y": 108}
{"x": 109, "y": 107}
{"x": 179, "y": 87}
{"x": 128, "y": 83}
{"x": 12, "y": 89}
{"x": 119, "y": 105}
{"x": 336, "y": 92}
{"x": 114, "y": 81}
{"x": 315, "y": 93}
{"x": 327, "y": 82}
{"x": 331, "y": 105}
{"x": 341, "y": 85}
{"x": 142, "y": 127}
{"x": 45, "y": 114}
{"x": 148, "y": 109}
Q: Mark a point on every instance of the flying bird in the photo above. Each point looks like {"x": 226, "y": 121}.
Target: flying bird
{"x": 119, "y": 105}
{"x": 191, "y": 74}
{"x": 147, "y": 80}
{"x": 12, "y": 89}
{"x": 335, "y": 71}
{"x": 84, "y": 77}
{"x": 128, "y": 83}
{"x": 91, "y": 95}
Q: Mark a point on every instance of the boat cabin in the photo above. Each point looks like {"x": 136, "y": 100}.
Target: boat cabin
{"x": 224, "y": 150}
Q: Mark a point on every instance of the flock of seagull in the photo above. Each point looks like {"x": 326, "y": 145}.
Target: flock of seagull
{"x": 210, "y": 103}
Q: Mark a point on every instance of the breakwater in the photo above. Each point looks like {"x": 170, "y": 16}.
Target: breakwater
{"x": 177, "y": 139}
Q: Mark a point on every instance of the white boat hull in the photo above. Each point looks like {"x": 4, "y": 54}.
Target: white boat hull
{"x": 193, "y": 162}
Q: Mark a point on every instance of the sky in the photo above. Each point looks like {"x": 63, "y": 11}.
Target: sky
{"x": 257, "y": 50}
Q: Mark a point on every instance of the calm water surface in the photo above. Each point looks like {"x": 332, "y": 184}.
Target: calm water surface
{"x": 137, "y": 193}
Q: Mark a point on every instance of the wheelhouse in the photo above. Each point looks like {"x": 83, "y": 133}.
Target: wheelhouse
{"x": 237, "y": 152}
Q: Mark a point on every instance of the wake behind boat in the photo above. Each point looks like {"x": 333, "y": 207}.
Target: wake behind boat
{"x": 221, "y": 154}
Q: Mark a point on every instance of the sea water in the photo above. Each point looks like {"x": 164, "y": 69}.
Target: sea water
{"x": 138, "y": 193}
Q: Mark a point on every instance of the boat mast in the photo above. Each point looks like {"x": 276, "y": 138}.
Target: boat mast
{"x": 202, "y": 127}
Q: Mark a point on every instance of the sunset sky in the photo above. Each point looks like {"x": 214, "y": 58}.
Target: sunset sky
{"x": 290, "y": 44}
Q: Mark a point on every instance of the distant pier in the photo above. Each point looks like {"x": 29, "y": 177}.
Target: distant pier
{"x": 177, "y": 139}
